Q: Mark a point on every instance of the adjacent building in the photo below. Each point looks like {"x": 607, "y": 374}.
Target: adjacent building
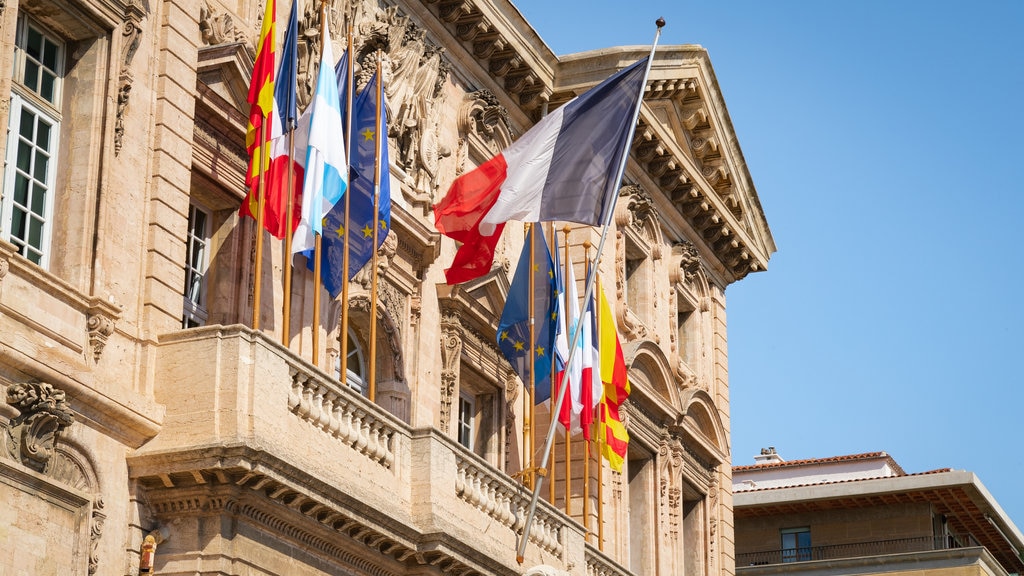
{"x": 148, "y": 428}
{"x": 863, "y": 514}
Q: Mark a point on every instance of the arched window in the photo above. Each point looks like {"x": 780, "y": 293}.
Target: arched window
{"x": 355, "y": 365}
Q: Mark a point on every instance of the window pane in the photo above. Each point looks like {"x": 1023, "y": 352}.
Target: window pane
{"x": 28, "y": 124}
{"x": 24, "y": 156}
{"x": 46, "y": 86}
{"x": 43, "y": 135}
{"x": 39, "y": 169}
{"x": 34, "y": 43}
{"x": 31, "y": 77}
{"x": 18, "y": 224}
{"x": 38, "y": 199}
{"x": 35, "y": 232}
{"x": 49, "y": 54}
{"x": 21, "y": 189}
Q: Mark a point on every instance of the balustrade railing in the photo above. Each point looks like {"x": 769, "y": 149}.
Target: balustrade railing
{"x": 343, "y": 413}
{"x": 505, "y": 501}
{"x": 854, "y": 550}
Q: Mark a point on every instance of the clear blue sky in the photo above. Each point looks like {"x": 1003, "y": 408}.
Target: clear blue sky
{"x": 885, "y": 142}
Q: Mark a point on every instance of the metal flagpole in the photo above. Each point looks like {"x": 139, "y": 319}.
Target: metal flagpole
{"x": 599, "y": 439}
{"x": 586, "y": 452}
{"x": 343, "y": 329}
{"x": 290, "y": 213}
{"x": 380, "y": 134}
{"x": 568, "y": 429}
{"x": 551, "y": 470}
{"x": 532, "y": 473}
{"x": 317, "y": 240}
{"x": 261, "y": 206}
{"x": 607, "y": 217}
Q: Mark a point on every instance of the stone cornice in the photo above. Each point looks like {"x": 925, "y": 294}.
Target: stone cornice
{"x": 246, "y": 482}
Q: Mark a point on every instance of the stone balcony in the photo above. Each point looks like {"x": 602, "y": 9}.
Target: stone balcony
{"x": 254, "y": 433}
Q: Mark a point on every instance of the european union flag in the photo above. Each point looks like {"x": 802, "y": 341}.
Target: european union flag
{"x": 514, "y": 327}
{"x": 368, "y": 141}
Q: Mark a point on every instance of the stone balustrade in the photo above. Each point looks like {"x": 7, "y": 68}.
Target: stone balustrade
{"x": 342, "y": 413}
{"x": 246, "y": 413}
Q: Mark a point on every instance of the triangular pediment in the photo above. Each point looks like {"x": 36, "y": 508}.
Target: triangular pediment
{"x": 686, "y": 149}
{"x": 478, "y": 302}
{"x": 225, "y": 69}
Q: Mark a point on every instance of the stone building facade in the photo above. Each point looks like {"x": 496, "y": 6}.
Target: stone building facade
{"x": 148, "y": 429}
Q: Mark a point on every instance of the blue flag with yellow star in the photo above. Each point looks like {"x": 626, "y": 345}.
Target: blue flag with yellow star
{"x": 514, "y": 327}
{"x": 368, "y": 141}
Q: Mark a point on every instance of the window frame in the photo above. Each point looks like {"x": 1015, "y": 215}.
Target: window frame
{"x": 25, "y": 99}
{"x": 795, "y": 553}
{"x": 194, "y": 313}
{"x": 466, "y": 429}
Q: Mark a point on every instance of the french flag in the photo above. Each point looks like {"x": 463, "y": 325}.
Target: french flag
{"x": 562, "y": 169}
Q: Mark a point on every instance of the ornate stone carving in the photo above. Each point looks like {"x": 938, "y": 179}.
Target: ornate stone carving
{"x": 95, "y": 532}
{"x": 415, "y": 73}
{"x": 32, "y": 435}
{"x": 483, "y": 117}
{"x": 217, "y": 28}
{"x": 131, "y": 34}
{"x": 100, "y": 328}
{"x": 451, "y": 355}
{"x": 385, "y": 256}
{"x": 5, "y": 266}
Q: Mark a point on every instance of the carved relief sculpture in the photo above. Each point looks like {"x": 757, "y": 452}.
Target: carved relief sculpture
{"x": 31, "y": 436}
{"x": 451, "y": 356}
{"x": 131, "y": 33}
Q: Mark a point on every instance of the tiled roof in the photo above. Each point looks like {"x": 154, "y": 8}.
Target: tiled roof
{"x": 844, "y": 481}
{"x": 813, "y": 461}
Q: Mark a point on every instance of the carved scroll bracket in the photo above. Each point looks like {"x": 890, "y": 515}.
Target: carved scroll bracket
{"x": 101, "y": 318}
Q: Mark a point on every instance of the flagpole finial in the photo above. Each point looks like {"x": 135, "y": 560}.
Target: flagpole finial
{"x": 660, "y": 23}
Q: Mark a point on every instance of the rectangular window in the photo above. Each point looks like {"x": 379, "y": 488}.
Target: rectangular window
{"x": 33, "y": 135}
{"x": 796, "y": 544}
{"x": 196, "y": 266}
{"x": 466, "y": 410}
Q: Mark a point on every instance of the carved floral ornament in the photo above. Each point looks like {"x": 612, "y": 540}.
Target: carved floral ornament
{"x": 31, "y": 436}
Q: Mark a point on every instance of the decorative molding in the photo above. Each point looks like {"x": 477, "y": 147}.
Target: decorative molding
{"x": 483, "y": 124}
{"x": 31, "y": 437}
{"x": 98, "y": 517}
{"x": 131, "y": 33}
{"x": 451, "y": 356}
{"x": 217, "y": 28}
{"x": 701, "y": 189}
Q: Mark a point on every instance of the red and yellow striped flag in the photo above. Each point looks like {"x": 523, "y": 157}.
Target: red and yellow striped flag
{"x": 261, "y": 101}
{"x": 616, "y": 387}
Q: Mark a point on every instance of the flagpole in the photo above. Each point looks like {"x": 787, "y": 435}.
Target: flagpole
{"x": 317, "y": 237}
{"x": 290, "y": 213}
{"x": 261, "y": 206}
{"x": 568, "y": 429}
{"x": 531, "y": 475}
{"x": 372, "y": 394}
{"x": 551, "y": 470}
{"x": 590, "y": 425}
{"x": 606, "y": 221}
{"x": 343, "y": 330}
{"x": 600, "y": 434}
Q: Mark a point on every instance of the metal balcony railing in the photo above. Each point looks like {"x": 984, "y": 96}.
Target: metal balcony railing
{"x": 855, "y": 550}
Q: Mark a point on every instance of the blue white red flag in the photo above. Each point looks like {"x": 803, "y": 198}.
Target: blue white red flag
{"x": 564, "y": 168}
